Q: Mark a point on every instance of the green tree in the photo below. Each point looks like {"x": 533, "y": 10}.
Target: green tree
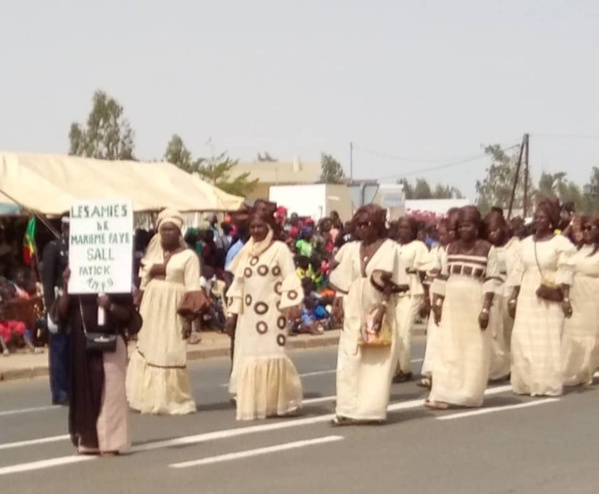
{"x": 178, "y": 154}
{"x": 447, "y": 192}
{"x": 219, "y": 171}
{"x": 408, "y": 190}
{"x": 107, "y": 134}
{"x": 331, "y": 170}
{"x": 423, "y": 190}
{"x": 496, "y": 188}
{"x": 556, "y": 184}
{"x": 266, "y": 157}
{"x": 591, "y": 192}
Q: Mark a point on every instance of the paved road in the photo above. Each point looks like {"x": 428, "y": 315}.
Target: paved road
{"x": 513, "y": 445}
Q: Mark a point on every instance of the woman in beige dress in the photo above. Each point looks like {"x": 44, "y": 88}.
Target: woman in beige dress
{"x": 366, "y": 274}
{"x": 264, "y": 291}
{"x": 508, "y": 251}
{"x": 580, "y": 341}
{"x": 414, "y": 255}
{"x": 464, "y": 294}
{"x": 157, "y": 379}
{"x": 540, "y": 301}
{"x": 444, "y": 236}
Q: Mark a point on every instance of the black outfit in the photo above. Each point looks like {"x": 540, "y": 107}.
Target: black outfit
{"x": 55, "y": 260}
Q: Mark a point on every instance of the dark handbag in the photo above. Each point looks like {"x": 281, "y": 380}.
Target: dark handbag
{"x": 547, "y": 290}
{"x": 96, "y": 341}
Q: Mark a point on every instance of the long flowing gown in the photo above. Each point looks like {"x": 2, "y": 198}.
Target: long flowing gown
{"x": 157, "y": 378}
{"x": 432, "y": 336}
{"x": 501, "y": 323}
{"x": 268, "y": 383}
{"x": 98, "y": 412}
{"x": 461, "y": 366}
{"x": 364, "y": 373}
{"x": 538, "y": 326}
{"x": 414, "y": 256}
{"x": 580, "y": 341}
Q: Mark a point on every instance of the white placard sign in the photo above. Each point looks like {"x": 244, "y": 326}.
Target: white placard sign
{"x": 101, "y": 247}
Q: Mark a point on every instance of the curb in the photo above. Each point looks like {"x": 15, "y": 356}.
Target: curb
{"x": 196, "y": 354}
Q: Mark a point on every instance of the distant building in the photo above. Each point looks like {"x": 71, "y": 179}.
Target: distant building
{"x": 270, "y": 173}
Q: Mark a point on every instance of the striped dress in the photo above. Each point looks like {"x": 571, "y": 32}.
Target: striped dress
{"x": 461, "y": 367}
{"x": 536, "y": 337}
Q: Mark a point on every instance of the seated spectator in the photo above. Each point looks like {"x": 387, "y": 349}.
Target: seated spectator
{"x": 305, "y": 245}
{"x": 304, "y": 268}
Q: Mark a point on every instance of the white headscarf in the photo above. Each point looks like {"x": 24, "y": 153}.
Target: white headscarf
{"x": 155, "y": 253}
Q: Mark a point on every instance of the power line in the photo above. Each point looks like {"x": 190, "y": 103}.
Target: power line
{"x": 404, "y": 158}
{"x": 446, "y": 165}
{"x": 567, "y": 136}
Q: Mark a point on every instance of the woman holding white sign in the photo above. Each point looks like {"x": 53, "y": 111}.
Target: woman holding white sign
{"x": 98, "y": 415}
{"x": 157, "y": 379}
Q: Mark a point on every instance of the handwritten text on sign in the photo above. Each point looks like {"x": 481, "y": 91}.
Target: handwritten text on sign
{"x": 101, "y": 247}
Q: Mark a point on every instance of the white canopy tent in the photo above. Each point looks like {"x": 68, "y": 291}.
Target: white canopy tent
{"x": 49, "y": 184}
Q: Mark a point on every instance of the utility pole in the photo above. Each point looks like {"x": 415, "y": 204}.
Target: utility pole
{"x": 526, "y": 175}
{"x": 351, "y": 161}
{"x": 517, "y": 178}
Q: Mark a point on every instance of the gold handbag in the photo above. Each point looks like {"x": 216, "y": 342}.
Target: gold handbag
{"x": 369, "y": 337}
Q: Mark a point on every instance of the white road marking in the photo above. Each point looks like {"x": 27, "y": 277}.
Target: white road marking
{"x": 321, "y": 399}
{"x": 483, "y": 411}
{"x": 242, "y": 431}
{"x": 34, "y": 442}
{"x": 211, "y": 436}
{"x": 257, "y": 452}
{"x": 40, "y": 465}
{"x": 6, "y": 413}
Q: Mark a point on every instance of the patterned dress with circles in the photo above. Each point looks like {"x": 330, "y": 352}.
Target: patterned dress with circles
{"x": 266, "y": 285}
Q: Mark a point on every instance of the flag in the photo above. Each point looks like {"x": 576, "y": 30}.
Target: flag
{"x": 29, "y": 242}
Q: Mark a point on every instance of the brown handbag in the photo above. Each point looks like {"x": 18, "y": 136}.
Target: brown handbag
{"x": 547, "y": 290}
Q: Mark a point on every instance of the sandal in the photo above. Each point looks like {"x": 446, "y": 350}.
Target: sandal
{"x": 435, "y": 405}
{"x": 339, "y": 421}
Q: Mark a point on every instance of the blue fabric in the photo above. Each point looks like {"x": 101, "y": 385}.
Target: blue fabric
{"x": 59, "y": 349}
{"x": 320, "y": 312}
{"x": 233, "y": 251}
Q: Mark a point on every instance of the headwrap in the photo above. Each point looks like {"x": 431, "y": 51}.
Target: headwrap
{"x": 281, "y": 213}
{"x": 263, "y": 210}
{"x": 550, "y": 206}
{"x": 155, "y": 253}
{"x": 170, "y": 216}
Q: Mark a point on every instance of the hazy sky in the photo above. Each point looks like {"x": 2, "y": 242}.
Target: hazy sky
{"x": 426, "y": 81}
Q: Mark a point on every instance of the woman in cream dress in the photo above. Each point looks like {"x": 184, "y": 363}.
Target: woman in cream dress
{"x": 265, "y": 289}
{"x": 501, "y": 324}
{"x": 365, "y": 275}
{"x": 463, "y": 297}
{"x": 580, "y": 341}
{"x": 157, "y": 379}
{"x": 433, "y": 270}
{"x": 414, "y": 255}
{"x": 536, "y": 338}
